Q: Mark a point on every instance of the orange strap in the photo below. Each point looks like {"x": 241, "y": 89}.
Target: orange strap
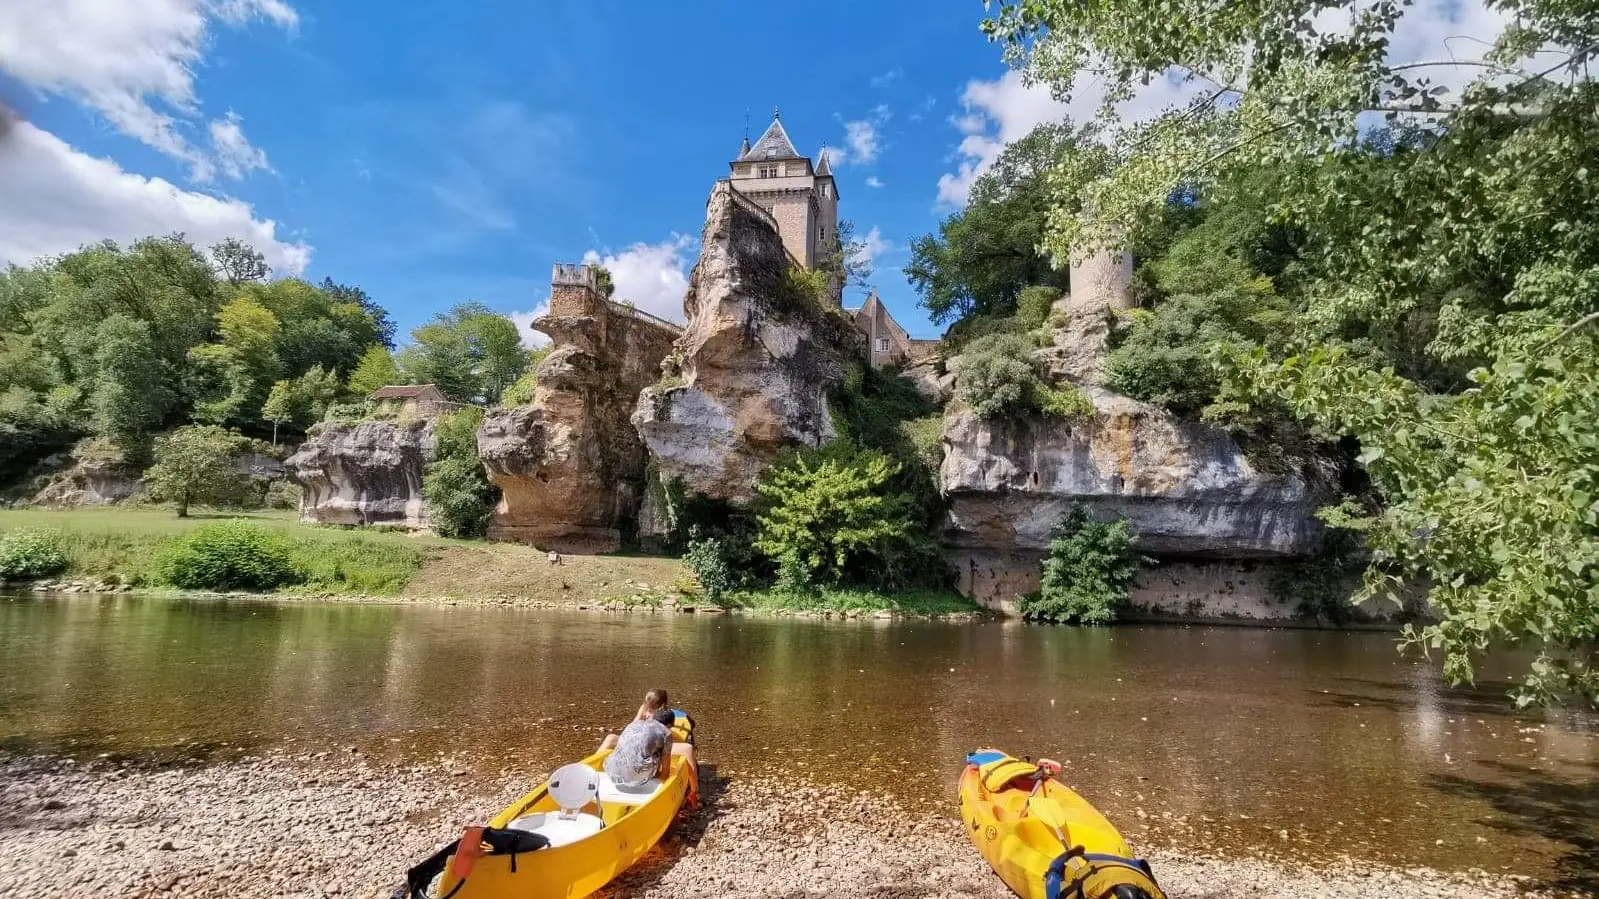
{"x": 467, "y": 853}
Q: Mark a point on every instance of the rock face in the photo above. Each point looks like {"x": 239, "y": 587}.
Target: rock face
{"x": 1186, "y": 489}
{"x": 367, "y": 472}
{"x": 570, "y": 465}
{"x": 750, "y": 375}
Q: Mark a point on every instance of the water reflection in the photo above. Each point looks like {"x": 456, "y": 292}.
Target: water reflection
{"x": 1214, "y": 737}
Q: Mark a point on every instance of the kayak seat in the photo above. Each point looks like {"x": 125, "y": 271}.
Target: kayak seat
{"x": 559, "y": 830}
{"x": 611, "y": 792}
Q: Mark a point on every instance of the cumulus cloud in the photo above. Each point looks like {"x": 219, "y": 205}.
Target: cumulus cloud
{"x": 862, "y": 139}
{"x": 874, "y": 181}
{"x": 54, "y": 199}
{"x": 133, "y": 61}
{"x": 524, "y": 325}
{"x": 873, "y": 245}
{"x": 652, "y": 276}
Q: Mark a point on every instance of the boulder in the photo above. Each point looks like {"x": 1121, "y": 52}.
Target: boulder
{"x": 570, "y": 466}
{"x": 366, "y": 472}
{"x": 750, "y": 375}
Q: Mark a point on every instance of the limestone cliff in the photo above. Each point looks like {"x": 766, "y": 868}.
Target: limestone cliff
{"x": 367, "y": 472}
{"x": 570, "y": 465}
{"x": 750, "y": 375}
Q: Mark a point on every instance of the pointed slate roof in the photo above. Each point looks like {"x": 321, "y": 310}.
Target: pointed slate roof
{"x": 825, "y": 167}
{"x": 776, "y": 139}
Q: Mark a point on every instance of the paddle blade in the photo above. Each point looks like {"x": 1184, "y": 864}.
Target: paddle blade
{"x": 1048, "y": 811}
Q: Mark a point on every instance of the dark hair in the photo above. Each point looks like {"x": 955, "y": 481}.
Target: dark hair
{"x": 664, "y": 716}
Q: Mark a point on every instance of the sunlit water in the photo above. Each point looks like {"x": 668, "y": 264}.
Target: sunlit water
{"x": 1303, "y": 743}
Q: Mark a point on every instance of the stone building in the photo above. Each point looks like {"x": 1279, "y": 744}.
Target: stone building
{"x": 410, "y": 400}
{"x": 886, "y": 342}
{"x": 802, "y": 198}
{"x": 803, "y": 202}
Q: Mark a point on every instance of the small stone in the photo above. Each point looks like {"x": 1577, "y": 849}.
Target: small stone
{"x": 166, "y": 846}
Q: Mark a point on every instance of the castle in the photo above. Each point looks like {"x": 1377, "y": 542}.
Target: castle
{"x": 802, "y": 200}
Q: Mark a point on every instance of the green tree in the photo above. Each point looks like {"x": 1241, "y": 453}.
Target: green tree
{"x": 230, "y": 378}
{"x": 239, "y": 262}
{"x": 380, "y": 318}
{"x": 825, "y": 515}
{"x": 983, "y": 256}
{"x": 470, "y": 353}
{"x": 284, "y": 404}
{"x": 460, "y": 496}
{"x": 1087, "y": 571}
{"x": 375, "y": 370}
{"x": 131, "y": 394}
{"x": 1467, "y": 222}
{"x": 521, "y": 391}
{"x": 195, "y": 465}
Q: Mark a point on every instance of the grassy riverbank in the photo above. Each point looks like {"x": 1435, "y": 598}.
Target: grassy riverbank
{"x": 120, "y": 545}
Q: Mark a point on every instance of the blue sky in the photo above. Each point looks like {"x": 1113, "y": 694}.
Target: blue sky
{"x": 434, "y": 153}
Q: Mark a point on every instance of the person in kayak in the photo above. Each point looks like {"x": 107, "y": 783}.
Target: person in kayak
{"x": 639, "y": 758}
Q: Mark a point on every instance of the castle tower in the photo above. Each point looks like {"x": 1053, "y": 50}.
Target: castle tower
{"x": 802, "y": 198}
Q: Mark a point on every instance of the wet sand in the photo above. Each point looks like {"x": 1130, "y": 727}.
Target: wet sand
{"x": 337, "y": 824}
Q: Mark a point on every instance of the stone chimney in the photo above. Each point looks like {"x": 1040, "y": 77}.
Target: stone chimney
{"x": 574, "y": 291}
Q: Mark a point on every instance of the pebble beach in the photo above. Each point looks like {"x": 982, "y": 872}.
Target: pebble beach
{"x": 339, "y": 824}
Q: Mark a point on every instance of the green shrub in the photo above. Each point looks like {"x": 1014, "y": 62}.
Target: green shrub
{"x": 460, "y": 497}
{"x": 1087, "y": 572}
{"x": 1064, "y": 401}
{"x": 829, "y": 516}
{"x": 28, "y": 554}
{"x": 996, "y": 376}
{"x": 228, "y": 555}
{"x": 283, "y": 494}
{"x": 708, "y": 559}
{"x": 1033, "y": 305}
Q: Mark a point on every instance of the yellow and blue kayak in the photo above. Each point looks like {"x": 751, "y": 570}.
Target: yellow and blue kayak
{"x": 1042, "y": 838}
{"x": 532, "y": 850}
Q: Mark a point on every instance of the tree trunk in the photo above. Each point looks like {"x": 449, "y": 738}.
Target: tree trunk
{"x": 183, "y": 506}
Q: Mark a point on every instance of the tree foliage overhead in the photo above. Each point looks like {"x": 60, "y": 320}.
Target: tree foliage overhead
{"x": 1449, "y": 274}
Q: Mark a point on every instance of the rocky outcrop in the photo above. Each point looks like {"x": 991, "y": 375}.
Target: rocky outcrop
{"x": 367, "y": 472}
{"x": 1186, "y": 489}
{"x": 569, "y": 465}
{"x": 750, "y": 375}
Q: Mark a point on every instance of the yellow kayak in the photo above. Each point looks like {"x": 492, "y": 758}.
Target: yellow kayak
{"x": 547, "y": 845}
{"x": 1044, "y": 840}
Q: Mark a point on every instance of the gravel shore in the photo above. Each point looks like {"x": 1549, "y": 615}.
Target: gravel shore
{"x": 336, "y": 824}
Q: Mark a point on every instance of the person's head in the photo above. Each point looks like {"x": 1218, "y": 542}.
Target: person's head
{"x": 655, "y": 700}
{"x": 664, "y": 716}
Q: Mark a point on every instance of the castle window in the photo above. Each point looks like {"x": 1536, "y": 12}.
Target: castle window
{"x": 824, "y": 190}
{"x": 771, "y": 152}
{"x": 767, "y": 171}
{"x": 882, "y": 344}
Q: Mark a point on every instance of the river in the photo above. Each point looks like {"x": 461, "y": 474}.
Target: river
{"x": 1309, "y": 743}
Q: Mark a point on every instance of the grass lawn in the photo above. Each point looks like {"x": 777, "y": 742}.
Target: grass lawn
{"x": 126, "y": 541}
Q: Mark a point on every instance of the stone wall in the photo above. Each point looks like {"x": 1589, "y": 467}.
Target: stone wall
{"x": 750, "y": 375}
{"x": 364, "y": 473}
{"x": 569, "y": 465}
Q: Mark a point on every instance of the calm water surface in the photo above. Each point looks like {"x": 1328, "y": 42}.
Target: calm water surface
{"x": 1306, "y": 743}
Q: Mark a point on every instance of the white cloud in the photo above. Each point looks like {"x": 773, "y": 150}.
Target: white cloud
{"x": 652, "y": 276}
{"x": 862, "y": 140}
{"x": 54, "y": 199}
{"x": 235, "y": 156}
{"x": 996, "y": 113}
{"x": 133, "y": 61}
{"x": 872, "y": 247}
{"x": 524, "y": 325}
{"x": 874, "y": 181}
{"x": 838, "y": 156}
{"x": 888, "y": 77}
